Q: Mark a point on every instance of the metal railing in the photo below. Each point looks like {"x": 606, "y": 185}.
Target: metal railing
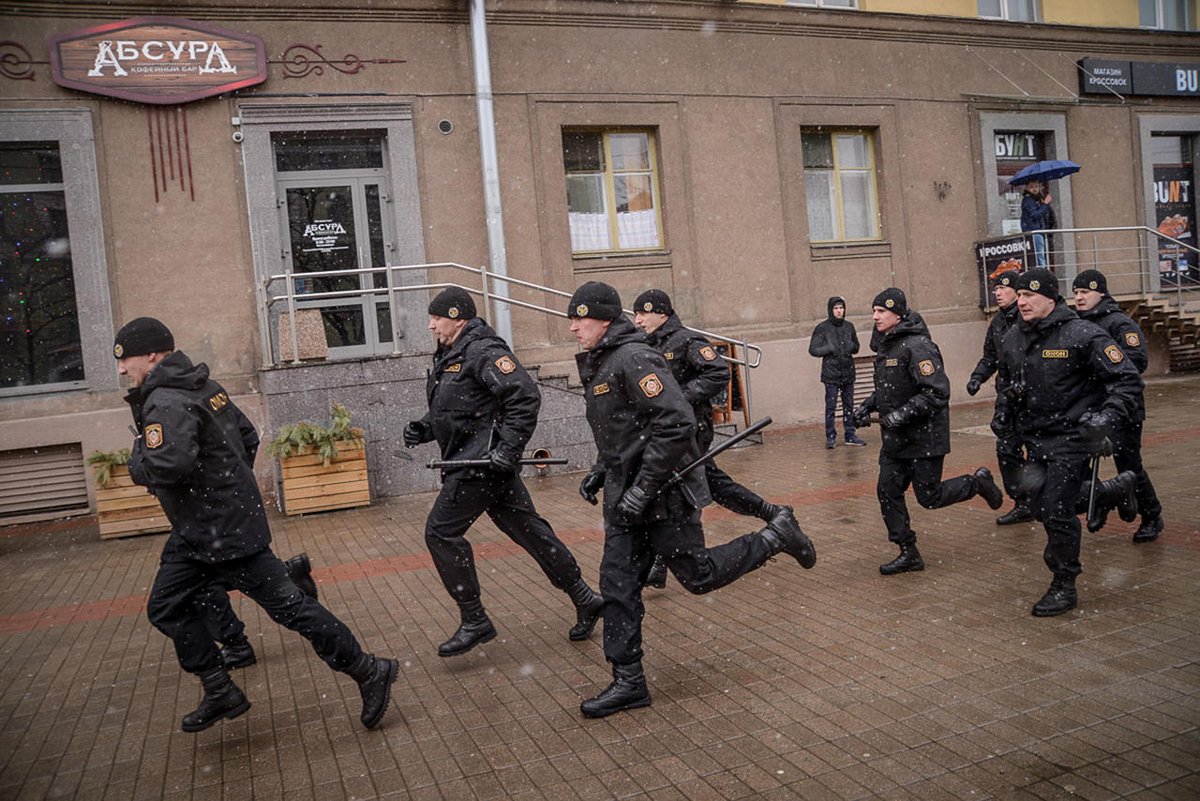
{"x": 394, "y": 286}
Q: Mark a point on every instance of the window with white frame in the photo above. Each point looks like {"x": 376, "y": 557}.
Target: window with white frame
{"x": 824, "y": 3}
{"x": 612, "y": 190}
{"x": 839, "y": 185}
{"x": 1167, "y": 15}
{"x": 1013, "y": 10}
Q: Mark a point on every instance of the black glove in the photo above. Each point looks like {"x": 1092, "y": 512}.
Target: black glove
{"x": 592, "y": 483}
{"x": 861, "y": 416}
{"x": 973, "y": 387}
{"x": 896, "y": 418}
{"x": 502, "y": 461}
{"x": 633, "y": 503}
{"x": 1002, "y": 423}
{"x": 414, "y": 434}
{"x": 1097, "y": 432}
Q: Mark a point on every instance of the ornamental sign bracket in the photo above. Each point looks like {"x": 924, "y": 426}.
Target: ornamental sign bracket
{"x": 158, "y": 60}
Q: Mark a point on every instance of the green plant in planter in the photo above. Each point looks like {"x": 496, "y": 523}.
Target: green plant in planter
{"x": 103, "y": 462}
{"x": 305, "y": 437}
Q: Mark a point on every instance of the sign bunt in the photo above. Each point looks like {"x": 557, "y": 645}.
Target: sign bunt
{"x": 160, "y": 60}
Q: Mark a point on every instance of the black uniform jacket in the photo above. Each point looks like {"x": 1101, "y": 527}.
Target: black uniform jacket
{"x": 1062, "y": 366}
{"x": 1125, "y": 332}
{"x": 642, "y": 423}
{"x": 697, "y": 367}
{"x": 196, "y": 453}
{"x": 836, "y": 342}
{"x": 909, "y": 375}
{"x": 480, "y": 397}
{"x": 990, "y": 361}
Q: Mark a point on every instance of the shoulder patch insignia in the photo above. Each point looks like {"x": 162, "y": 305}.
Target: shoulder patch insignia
{"x": 505, "y": 364}
{"x": 670, "y": 356}
{"x": 154, "y": 435}
{"x": 708, "y": 353}
{"x": 1114, "y": 354}
{"x": 926, "y": 366}
{"x": 454, "y": 368}
{"x": 651, "y": 385}
{"x": 218, "y": 401}
{"x": 1132, "y": 339}
{"x": 600, "y": 389}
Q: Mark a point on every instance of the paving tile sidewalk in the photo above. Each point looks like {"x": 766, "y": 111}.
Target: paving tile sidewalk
{"x": 834, "y": 683}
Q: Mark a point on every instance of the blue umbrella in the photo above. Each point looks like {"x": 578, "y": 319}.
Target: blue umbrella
{"x": 1044, "y": 171}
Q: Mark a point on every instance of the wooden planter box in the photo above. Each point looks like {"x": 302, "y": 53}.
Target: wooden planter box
{"x": 126, "y": 509}
{"x": 310, "y": 486}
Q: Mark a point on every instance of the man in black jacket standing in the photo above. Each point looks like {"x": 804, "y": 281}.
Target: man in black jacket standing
{"x": 643, "y": 427}
{"x": 1069, "y": 388}
{"x": 1094, "y": 304}
{"x": 483, "y": 405}
{"x": 1009, "y": 453}
{"x": 194, "y": 451}
{"x": 912, "y": 396}
{"x": 835, "y": 341}
{"x": 702, "y": 374}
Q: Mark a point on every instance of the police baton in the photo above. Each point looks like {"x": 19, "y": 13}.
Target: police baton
{"x": 716, "y": 450}
{"x": 436, "y": 464}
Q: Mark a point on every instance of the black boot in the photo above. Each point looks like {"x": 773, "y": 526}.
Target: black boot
{"x": 299, "y": 568}
{"x": 375, "y": 678}
{"x": 1059, "y": 598}
{"x": 588, "y": 606}
{"x": 766, "y": 511}
{"x": 657, "y": 577}
{"x": 1118, "y": 493}
{"x": 783, "y": 535}
{"x": 476, "y": 629}
{"x": 986, "y": 487}
{"x": 627, "y": 691}
{"x": 1018, "y": 514}
{"x": 1149, "y": 530}
{"x": 237, "y": 653}
{"x": 222, "y": 700}
{"x": 908, "y": 561}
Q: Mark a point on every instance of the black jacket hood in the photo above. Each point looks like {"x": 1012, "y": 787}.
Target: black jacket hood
{"x": 833, "y": 301}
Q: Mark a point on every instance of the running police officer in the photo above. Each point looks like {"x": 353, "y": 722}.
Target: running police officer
{"x": 193, "y": 452}
{"x": 1069, "y": 387}
{"x": 702, "y": 374}
{"x": 643, "y": 426}
{"x": 912, "y": 396}
{"x": 483, "y": 405}
{"x": 1009, "y": 453}
{"x": 1093, "y": 303}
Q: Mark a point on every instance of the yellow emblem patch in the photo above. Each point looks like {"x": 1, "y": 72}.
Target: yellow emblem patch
{"x": 1055, "y": 353}
{"x": 1132, "y": 339}
{"x": 452, "y": 312}
{"x": 669, "y": 356}
{"x": 648, "y": 306}
{"x": 454, "y": 368}
{"x": 708, "y": 353}
{"x": 154, "y": 435}
{"x": 926, "y": 367}
{"x": 1114, "y": 354}
{"x": 651, "y": 385}
{"x": 600, "y": 389}
{"x": 581, "y": 310}
{"x": 505, "y": 364}
{"x": 1035, "y": 285}
{"x": 218, "y": 401}
{"x": 889, "y": 303}
{"x": 118, "y": 349}
{"x": 891, "y": 363}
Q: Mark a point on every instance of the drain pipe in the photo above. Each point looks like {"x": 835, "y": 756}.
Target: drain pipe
{"x": 501, "y": 317}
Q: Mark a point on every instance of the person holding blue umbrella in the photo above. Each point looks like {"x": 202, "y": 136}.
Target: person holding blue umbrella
{"x": 1036, "y": 212}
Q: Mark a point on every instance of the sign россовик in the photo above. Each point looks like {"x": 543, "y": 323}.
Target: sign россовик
{"x": 162, "y": 60}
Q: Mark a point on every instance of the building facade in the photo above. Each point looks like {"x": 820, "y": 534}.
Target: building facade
{"x": 750, "y": 158}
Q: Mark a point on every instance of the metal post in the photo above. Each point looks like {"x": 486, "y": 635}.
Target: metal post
{"x": 501, "y": 318}
{"x": 391, "y": 296}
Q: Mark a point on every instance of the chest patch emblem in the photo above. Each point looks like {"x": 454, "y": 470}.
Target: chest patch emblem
{"x": 454, "y": 368}
{"x": 154, "y": 435}
{"x": 600, "y": 389}
{"x": 708, "y": 353}
{"x": 651, "y": 385}
{"x": 1132, "y": 339}
{"x": 891, "y": 362}
{"x": 1055, "y": 353}
{"x": 926, "y": 367}
{"x": 1114, "y": 354}
{"x": 505, "y": 364}
{"x": 669, "y": 356}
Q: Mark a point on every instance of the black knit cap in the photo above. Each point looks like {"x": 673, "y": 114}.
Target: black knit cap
{"x": 596, "y": 300}
{"x": 893, "y": 300}
{"x": 1091, "y": 279}
{"x": 1039, "y": 280}
{"x": 454, "y": 303}
{"x": 653, "y": 300}
{"x": 142, "y": 335}
{"x": 1007, "y": 278}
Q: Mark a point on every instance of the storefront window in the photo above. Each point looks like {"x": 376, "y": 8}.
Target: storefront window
{"x": 839, "y": 183}
{"x": 39, "y": 330}
{"x": 1166, "y": 15}
{"x": 612, "y": 190}
{"x": 1175, "y": 206}
{"x": 1014, "y": 10}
